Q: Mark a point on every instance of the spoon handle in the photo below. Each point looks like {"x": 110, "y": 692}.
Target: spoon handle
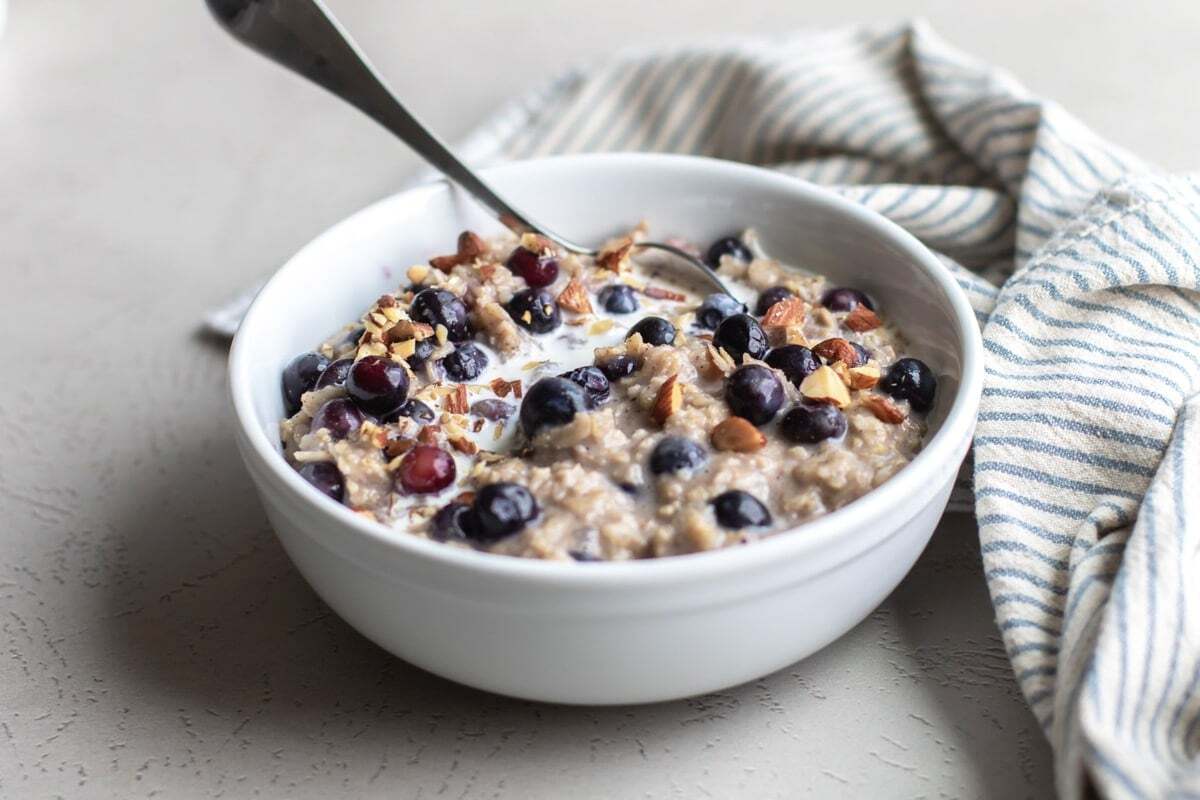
{"x": 304, "y": 37}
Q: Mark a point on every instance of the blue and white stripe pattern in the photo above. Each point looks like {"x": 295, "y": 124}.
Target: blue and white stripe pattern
{"x": 1081, "y": 262}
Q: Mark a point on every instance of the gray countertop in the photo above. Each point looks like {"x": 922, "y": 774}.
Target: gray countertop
{"x": 157, "y": 641}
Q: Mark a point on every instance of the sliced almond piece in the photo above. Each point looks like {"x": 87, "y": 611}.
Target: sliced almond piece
{"x": 719, "y": 359}
{"x": 615, "y": 255}
{"x": 738, "y": 435}
{"x": 837, "y": 349}
{"x": 883, "y": 409}
{"x": 842, "y": 371}
{"x": 824, "y": 386}
{"x": 862, "y": 319}
{"x": 788, "y": 311}
{"x": 574, "y": 297}
{"x": 864, "y": 377}
{"x": 668, "y": 400}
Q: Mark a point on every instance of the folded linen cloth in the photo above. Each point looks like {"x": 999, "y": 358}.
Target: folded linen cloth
{"x": 1080, "y": 261}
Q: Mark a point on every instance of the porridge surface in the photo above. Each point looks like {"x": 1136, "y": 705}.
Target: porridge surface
{"x": 528, "y": 402}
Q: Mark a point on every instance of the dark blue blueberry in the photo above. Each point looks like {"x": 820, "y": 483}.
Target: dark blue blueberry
{"x": 584, "y": 556}
{"x": 736, "y": 509}
{"x": 326, "y": 477}
{"x": 770, "y": 297}
{"x": 755, "y": 393}
{"x": 741, "y": 334}
{"x": 300, "y": 376}
{"x": 618, "y": 298}
{"x": 377, "y": 385}
{"x": 864, "y": 355}
{"x": 500, "y": 509}
{"x": 441, "y": 307}
{"x": 717, "y": 307}
{"x": 422, "y": 350}
{"x": 675, "y": 454}
{"x": 451, "y": 522}
{"x": 339, "y": 416}
{"x": 492, "y": 409}
{"x": 845, "y": 299}
{"x": 809, "y": 424}
{"x": 592, "y": 380}
{"x": 653, "y": 330}
{"x": 628, "y": 488}
{"x": 728, "y": 246}
{"x": 335, "y": 374}
{"x": 795, "y": 361}
{"x": 466, "y": 363}
{"x": 619, "y": 367}
{"x": 413, "y": 409}
{"x": 535, "y": 310}
{"x": 909, "y": 379}
{"x": 551, "y": 402}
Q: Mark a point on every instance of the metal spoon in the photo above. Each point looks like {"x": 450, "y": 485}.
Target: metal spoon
{"x": 304, "y": 37}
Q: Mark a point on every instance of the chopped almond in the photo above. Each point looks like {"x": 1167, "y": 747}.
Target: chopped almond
{"x": 784, "y": 314}
{"x": 464, "y": 445}
{"x": 659, "y": 293}
{"x": 883, "y": 409}
{"x": 456, "y": 401}
{"x": 837, "y": 349}
{"x": 615, "y": 255}
{"x": 668, "y": 400}
{"x": 862, "y": 319}
{"x": 824, "y": 386}
{"x": 738, "y": 435}
{"x": 864, "y": 377}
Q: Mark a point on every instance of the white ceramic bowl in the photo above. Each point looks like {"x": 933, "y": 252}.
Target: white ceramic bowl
{"x": 602, "y": 633}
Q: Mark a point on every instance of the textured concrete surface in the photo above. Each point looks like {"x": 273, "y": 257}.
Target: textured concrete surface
{"x": 155, "y": 640}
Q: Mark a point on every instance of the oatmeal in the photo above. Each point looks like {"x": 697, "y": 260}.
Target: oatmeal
{"x": 525, "y": 401}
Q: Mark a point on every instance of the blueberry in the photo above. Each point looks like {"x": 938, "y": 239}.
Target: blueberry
{"x": 593, "y": 382}
{"x": 551, "y": 402}
{"x": 809, "y": 424}
{"x": 728, "y": 246}
{"x": 353, "y": 336}
{"x": 753, "y": 392}
{"x": 500, "y": 509}
{"x": 301, "y": 376}
{"x": 619, "y": 367}
{"x": 377, "y": 385}
{"x": 909, "y": 379}
{"x": 737, "y": 509}
{"x": 326, "y": 477}
{"x": 583, "y": 556}
{"x": 654, "y": 331}
{"x": 413, "y": 409}
{"x": 772, "y": 296}
{"x": 536, "y": 271}
{"x": 440, "y": 307}
{"x": 492, "y": 409}
{"x": 535, "y": 310}
{"x": 864, "y": 355}
{"x": 426, "y": 469}
{"x": 795, "y": 361}
{"x": 339, "y": 416}
{"x": 675, "y": 454}
{"x": 450, "y": 522}
{"x": 717, "y": 307}
{"x": 740, "y": 334}
{"x": 618, "y": 298}
{"x": 845, "y": 299}
{"x": 466, "y": 363}
{"x": 335, "y": 374}
{"x": 422, "y": 350}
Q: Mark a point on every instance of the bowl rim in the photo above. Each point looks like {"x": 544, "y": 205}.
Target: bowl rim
{"x": 823, "y": 532}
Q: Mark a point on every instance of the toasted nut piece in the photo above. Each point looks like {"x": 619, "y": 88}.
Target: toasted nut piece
{"x": 864, "y": 377}
{"x": 719, "y": 359}
{"x": 785, "y": 313}
{"x": 862, "y": 319}
{"x": 429, "y": 434}
{"x": 842, "y": 371}
{"x": 600, "y": 326}
{"x": 668, "y": 400}
{"x": 501, "y": 387}
{"x": 418, "y": 273}
{"x": 574, "y": 297}
{"x": 470, "y": 247}
{"x": 397, "y": 447}
{"x": 837, "y": 350}
{"x": 537, "y": 243}
{"x": 464, "y": 445}
{"x": 659, "y": 293}
{"x": 883, "y": 409}
{"x": 403, "y": 349}
{"x": 386, "y": 301}
{"x": 407, "y": 329}
{"x": 737, "y": 434}
{"x": 615, "y": 255}
{"x": 456, "y": 402}
{"x": 824, "y": 386}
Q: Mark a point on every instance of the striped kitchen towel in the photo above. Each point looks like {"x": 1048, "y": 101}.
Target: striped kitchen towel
{"x": 1081, "y": 263}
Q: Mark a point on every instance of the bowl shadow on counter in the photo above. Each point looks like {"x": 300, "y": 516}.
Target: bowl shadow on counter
{"x": 209, "y": 615}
